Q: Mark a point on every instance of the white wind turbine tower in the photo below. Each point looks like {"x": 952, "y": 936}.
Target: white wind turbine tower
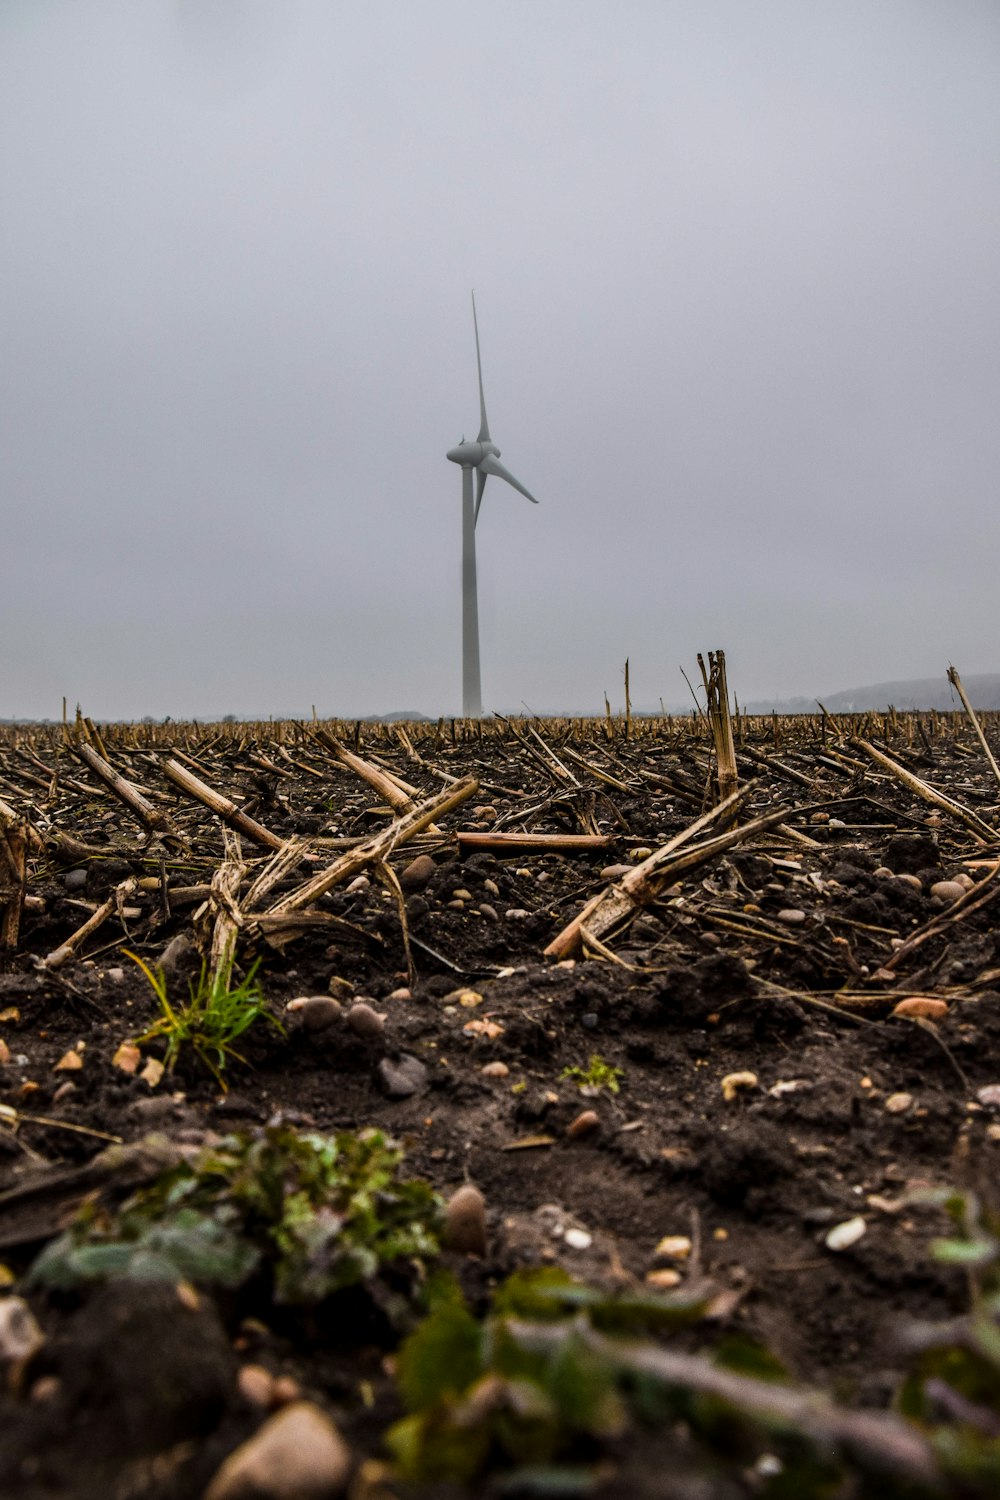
{"x": 483, "y": 456}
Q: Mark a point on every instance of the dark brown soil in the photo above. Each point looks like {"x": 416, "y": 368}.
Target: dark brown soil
{"x": 714, "y": 979}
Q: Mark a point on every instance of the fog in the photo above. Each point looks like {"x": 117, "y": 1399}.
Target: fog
{"x": 736, "y": 272}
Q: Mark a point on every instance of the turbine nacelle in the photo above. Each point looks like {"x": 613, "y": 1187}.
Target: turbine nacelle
{"x": 472, "y": 453}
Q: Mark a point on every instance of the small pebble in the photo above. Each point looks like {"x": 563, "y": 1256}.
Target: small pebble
{"x": 638, "y": 855}
{"x": 256, "y": 1385}
{"x": 317, "y": 1012}
{"x": 989, "y": 1095}
{"x": 947, "y": 891}
{"x": 590, "y": 1020}
{"x": 403, "y": 993}
{"x": 298, "y": 1454}
{"x": 925, "y": 1006}
{"x": 792, "y": 916}
{"x": 663, "y": 1280}
{"x": 75, "y": 880}
{"x": 585, "y": 1124}
{"x": 20, "y": 1335}
{"x": 843, "y": 1236}
{"x": 466, "y": 998}
{"x": 461, "y": 894}
{"x": 821, "y": 817}
{"x": 615, "y": 872}
{"x": 674, "y": 1247}
{"x": 898, "y": 1104}
{"x": 365, "y": 1021}
{"x": 176, "y": 952}
{"x": 993, "y": 1132}
{"x": 465, "y": 1221}
{"x": 117, "y": 976}
{"x": 491, "y": 888}
{"x": 340, "y": 989}
{"x": 286, "y": 1390}
{"x": 489, "y": 912}
{"x": 359, "y": 884}
{"x": 45, "y": 1388}
{"x": 495, "y": 1070}
{"x": 578, "y": 1239}
{"x": 734, "y": 1082}
{"x": 515, "y": 914}
{"x": 402, "y": 1077}
{"x": 152, "y": 1072}
{"x": 418, "y": 873}
{"x": 965, "y": 880}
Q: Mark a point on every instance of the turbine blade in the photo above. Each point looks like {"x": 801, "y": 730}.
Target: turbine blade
{"x": 480, "y": 486}
{"x": 491, "y": 465}
{"x": 484, "y": 426}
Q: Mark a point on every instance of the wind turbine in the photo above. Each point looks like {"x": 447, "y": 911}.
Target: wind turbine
{"x": 483, "y": 455}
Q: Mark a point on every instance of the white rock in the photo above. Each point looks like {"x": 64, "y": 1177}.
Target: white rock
{"x": 298, "y": 1454}
{"x": 578, "y": 1239}
{"x": 843, "y": 1236}
{"x": 20, "y": 1335}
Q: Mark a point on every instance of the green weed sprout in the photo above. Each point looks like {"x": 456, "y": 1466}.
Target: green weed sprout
{"x": 597, "y": 1075}
{"x": 316, "y": 1213}
{"x": 211, "y": 1022}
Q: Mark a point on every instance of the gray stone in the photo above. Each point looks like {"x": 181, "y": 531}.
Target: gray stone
{"x": 418, "y": 873}
{"x": 365, "y": 1021}
{"x": 402, "y": 1077}
{"x": 176, "y": 953}
{"x": 319, "y": 1012}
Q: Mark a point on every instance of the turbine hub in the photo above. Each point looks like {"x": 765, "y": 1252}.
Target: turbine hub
{"x": 472, "y": 453}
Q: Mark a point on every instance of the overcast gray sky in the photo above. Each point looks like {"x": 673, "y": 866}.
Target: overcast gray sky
{"x": 737, "y": 265}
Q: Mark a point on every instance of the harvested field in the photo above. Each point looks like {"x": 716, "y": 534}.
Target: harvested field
{"x": 700, "y": 1048}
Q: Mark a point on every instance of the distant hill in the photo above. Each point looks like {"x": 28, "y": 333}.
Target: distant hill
{"x": 917, "y": 692}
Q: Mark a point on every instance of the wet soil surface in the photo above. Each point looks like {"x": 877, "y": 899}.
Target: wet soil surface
{"x": 764, "y": 1091}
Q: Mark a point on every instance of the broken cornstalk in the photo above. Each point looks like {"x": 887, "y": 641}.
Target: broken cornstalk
{"x": 13, "y": 844}
{"x": 720, "y": 720}
{"x": 972, "y": 821}
{"x": 377, "y": 848}
{"x": 193, "y": 787}
{"x": 643, "y": 884}
{"x": 154, "y": 821}
{"x": 956, "y": 683}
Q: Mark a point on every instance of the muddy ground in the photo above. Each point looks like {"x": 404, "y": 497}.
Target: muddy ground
{"x": 767, "y": 962}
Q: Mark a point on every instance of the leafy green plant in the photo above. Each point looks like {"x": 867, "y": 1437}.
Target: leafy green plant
{"x": 318, "y": 1213}
{"x": 522, "y": 1389}
{"x": 953, "y": 1388}
{"x": 597, "y": 1075}
{"x": 212, "y": 1020}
